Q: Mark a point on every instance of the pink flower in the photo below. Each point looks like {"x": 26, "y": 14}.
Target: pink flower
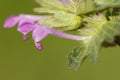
{"x": 21, "y": 20}
{"x": 26, "y": 24}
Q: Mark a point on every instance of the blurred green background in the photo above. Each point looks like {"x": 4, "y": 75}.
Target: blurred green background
{"x": 20, "y": 60}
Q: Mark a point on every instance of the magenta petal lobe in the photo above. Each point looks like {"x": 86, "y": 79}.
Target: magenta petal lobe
{"x": 11, "y": 22}
{"x": 25, "y": 28}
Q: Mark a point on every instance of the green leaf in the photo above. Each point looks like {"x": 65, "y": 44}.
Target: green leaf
{"x": 54, "y": 4}
{"x": 116, "y": 11}
{"x": 106, "y": 2}
{"x": 85, "y": 6}
{"x": 72, "y": 6}
{"x": 103, "y": 5}
{"x": 44, "y": 10}
{"x": 100, "y": 30}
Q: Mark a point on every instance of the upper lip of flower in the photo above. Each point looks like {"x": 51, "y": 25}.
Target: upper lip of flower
{"x": 21, "y": 19}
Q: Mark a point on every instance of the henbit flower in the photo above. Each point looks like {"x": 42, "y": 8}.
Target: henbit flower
{"x": 26, "y": 24}
{"x": 21, "y": 19}
{"x": 40, "y": 32}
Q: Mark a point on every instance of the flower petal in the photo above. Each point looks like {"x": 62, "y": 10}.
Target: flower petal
{"x": 25, "y": 28}
{"x": 64, "y": 35}
{"x": 11, "y": 21}
{"x": 28, "y": 18}
{"x": 42, "y": 31}
{"x": 39, "y": 33}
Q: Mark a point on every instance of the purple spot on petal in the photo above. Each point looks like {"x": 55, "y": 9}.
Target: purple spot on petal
{"x": 39, "y": 46}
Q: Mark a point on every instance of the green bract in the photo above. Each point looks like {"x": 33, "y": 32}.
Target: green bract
{"x": 100, "y": 30}
{"x": 62, "y": 20}
{"x": 57, "y": 15}
{"x": 53, "y": 4}
{"x": 107, "y": 2}
{"x": 99, "y": 20}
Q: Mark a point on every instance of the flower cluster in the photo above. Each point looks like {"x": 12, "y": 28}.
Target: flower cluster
{"x": 96, "y": 21}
